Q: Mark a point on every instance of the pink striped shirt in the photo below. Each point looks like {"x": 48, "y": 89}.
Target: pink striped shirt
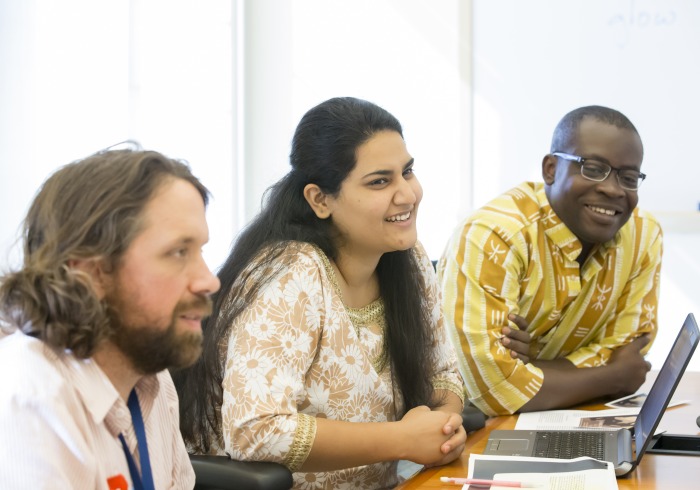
{"x": 60, "y": 418}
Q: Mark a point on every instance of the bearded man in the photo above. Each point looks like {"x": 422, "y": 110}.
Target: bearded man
{"x": 111, "y": 293}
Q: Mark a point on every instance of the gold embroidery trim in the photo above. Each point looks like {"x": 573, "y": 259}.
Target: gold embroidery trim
{"x": 373, "y": 313}
{"x": 456, "y": 388}
{"x": 304, "y": 436}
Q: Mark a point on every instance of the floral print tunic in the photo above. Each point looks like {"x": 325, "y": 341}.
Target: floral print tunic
{"x": 297, "y": 353}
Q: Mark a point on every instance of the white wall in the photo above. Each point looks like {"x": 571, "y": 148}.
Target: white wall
{"x": 536, "y": 60}
{"x": 79, "y": 75}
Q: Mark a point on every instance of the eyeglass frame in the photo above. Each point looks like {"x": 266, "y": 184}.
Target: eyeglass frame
{"x": 579, "y": 160}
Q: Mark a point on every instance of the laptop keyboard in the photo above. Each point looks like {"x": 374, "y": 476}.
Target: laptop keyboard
{"x": 568, "y": 444}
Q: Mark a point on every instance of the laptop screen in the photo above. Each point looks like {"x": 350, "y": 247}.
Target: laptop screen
{"x": 665, "y": 384}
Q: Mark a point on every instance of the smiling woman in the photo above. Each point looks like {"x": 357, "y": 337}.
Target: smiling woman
{"x": 328, "y": 318}
{"x": 375, "y": 210}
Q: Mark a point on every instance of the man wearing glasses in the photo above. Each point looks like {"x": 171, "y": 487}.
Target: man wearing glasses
{"x": 551, "y": 289}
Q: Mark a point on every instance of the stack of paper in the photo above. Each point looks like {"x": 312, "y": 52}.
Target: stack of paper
{"x": 542, "y": 473}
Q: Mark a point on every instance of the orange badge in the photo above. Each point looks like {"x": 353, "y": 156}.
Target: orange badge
{"x": 117, "y": 482}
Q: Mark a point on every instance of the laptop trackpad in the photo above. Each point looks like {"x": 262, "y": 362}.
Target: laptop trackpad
{"x": 513, "y": 444}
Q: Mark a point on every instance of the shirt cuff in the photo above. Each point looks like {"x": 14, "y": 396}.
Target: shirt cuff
{"x": 304, "y": 436}
{"x": 512, "y": 393}
{"x": 446, "y": 384}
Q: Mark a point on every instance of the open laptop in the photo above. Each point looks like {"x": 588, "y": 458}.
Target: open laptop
{"x": 616, "y": 446}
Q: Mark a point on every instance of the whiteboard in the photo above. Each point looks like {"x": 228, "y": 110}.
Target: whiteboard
{"x": 536, "y": 60}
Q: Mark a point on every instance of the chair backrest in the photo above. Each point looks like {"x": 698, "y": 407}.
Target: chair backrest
{"x": 472, "y": 418}
{"x": 223, "y": 473}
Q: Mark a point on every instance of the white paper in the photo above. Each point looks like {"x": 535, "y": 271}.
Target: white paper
{"x": 574, "y": 480}
{"x": 600, "y": 478}
{"x": 571, "y": 419}
{"x": 637, "y": 399}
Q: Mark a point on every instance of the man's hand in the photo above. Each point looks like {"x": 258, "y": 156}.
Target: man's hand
{"x": 565, "y": 385}
{"x": 517, "y": 340}
{"x": 630, "y": 365}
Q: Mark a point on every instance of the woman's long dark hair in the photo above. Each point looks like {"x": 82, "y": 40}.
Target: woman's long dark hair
{"x": 324, "y": 153}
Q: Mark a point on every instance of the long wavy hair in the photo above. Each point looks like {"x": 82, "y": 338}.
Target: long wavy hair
{"x": 88, "y": 209}
{"x": 323, "y": 152}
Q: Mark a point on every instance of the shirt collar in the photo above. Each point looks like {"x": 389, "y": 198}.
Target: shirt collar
{"x": 102, "y": 400}
{"x": 560, "y": 234}
{"x": 94, "y": 388}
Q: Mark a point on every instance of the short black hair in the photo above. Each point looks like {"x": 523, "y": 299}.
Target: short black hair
{"x": 569, "y": 124}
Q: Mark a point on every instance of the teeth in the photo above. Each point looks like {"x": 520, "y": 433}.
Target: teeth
{"x": 401, "y": 217}
{"x": 608, "y": 212}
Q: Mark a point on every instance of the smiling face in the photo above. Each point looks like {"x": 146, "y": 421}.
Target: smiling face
{"x": 376, "y": 208}
{"x": 593, "y": 211}
{"x": 161, "y": 287}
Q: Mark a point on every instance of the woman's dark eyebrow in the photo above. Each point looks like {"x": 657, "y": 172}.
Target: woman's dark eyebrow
{"x": 388, "y": 172}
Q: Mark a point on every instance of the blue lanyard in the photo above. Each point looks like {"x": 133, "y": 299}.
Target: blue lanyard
{"x": 143, "y": 481}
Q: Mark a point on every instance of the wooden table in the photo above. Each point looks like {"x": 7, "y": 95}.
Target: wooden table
{"x": 656, "y": 471}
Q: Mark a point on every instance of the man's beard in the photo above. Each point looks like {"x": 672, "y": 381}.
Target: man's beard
{"x": 151, "y": 349}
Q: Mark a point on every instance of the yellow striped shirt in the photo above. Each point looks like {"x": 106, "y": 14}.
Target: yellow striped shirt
{"x": 515, "y": 255}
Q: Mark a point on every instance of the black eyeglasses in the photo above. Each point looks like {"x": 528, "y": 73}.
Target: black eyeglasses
{"x": 597, "y": 171}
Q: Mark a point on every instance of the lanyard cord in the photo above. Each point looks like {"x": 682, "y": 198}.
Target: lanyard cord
{"x": 143, "y": 481}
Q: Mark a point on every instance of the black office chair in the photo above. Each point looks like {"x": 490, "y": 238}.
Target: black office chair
{"x": 472, "y": 418}
{"x": 223, "y": 473}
